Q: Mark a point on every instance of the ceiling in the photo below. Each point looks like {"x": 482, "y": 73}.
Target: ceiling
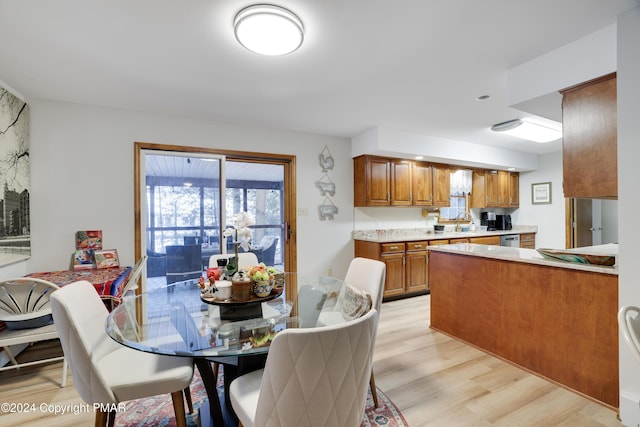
{"x": 414, "y": 65}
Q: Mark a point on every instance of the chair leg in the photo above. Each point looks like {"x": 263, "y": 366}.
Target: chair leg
{"x": 178, "y": 408}
{"x": 187, "y": 397}
{"x": 374, "y": 391}
{"x": 63, "y": 383}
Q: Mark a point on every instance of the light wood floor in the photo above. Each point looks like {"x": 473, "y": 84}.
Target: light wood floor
{"x": 433, "y": 379}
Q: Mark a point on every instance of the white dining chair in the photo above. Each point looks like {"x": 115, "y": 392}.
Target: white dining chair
{"x": 629, "y": 323}
{"x": 245, "y": 259}
{"x": 366, "y": 275}
{"x": 313, "y": 377}
{"x": 105, "y": 372}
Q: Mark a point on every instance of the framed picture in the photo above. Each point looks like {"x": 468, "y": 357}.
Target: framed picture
{"x": 107, "y": 258}
{"x": 541, "y": 193}
{"x": 83, "y": 259}
{"x": 89, "y": 239}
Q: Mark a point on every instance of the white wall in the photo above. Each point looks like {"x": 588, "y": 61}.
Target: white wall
{"x": 548, "y": 218}
{"x": 82, "y": 178}
{"x": 629, "y": 200}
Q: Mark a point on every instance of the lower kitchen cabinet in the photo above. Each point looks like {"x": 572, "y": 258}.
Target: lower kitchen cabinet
{"x": 406, "y": 266}
{"x": 528, "y": 240}
{"x": 486, "y": 240}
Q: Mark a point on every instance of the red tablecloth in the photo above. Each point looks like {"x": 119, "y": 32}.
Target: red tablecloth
{"x": 107, "y": 281}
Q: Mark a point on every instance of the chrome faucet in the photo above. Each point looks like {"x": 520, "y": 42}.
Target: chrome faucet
{"x": 466, "y": 214}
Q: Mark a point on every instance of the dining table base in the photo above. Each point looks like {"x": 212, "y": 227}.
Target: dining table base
{"x": 221, "y": 413}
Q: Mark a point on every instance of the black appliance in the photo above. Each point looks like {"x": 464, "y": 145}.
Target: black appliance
{"x": 488, "y": 219}
{"x": 503, "y": 222}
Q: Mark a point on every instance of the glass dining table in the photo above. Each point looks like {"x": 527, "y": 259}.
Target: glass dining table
{"x": 236, "y": 334}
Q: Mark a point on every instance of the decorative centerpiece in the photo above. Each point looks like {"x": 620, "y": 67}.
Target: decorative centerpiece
{"x": 241, "y": 223}
{"x": 241, "y": 286}
{"x": 262, "y": 277}
{"x": 208, "y": 287}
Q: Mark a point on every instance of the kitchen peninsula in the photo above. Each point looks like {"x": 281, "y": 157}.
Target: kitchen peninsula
{"x": 553, "y": 318}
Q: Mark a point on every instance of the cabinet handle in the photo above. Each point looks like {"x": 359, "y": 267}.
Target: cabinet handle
{"x": 393, "y": 248}
{"x": 411, "y": 197}
{"x": 426, "y": 259}
{"x": 388, "y": 196}
{"x": 417, "y": 246}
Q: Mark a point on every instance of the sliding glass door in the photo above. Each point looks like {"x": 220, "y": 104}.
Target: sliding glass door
{"x": 188, "y": 198}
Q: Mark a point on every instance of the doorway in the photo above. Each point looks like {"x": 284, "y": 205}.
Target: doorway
{"x": 185, "y": 197}
{"x": 591, "y": 222}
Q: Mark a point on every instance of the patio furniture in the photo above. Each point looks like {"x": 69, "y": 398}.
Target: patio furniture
{"x": 266, "y": 249}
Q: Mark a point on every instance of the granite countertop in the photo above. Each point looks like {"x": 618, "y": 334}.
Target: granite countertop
{"x": 530, "y": 256}
{"x": 427, "y": 233}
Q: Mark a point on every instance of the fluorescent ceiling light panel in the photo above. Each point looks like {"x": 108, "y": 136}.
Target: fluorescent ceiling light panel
{"x": 268, "y": 29}
{"x": 527, "y": 130}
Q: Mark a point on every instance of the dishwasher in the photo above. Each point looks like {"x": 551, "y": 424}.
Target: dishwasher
{"x": 512, "y": 240}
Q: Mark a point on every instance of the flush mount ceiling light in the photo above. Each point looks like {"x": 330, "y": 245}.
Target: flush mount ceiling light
{"x": 268, "y": 29}
{"x": 527, "y": 130}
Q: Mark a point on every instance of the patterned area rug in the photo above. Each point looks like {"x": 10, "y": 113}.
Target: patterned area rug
{"x": 158, "y": 410}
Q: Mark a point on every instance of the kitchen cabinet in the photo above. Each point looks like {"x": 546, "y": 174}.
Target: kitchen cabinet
{"x": 372, "y": 181}
{"x": 406, "y": 263}
{"x": 514, "y": 189}
{"x": 380, "y": 181}
{"x": 401, "y": 180}
{"x": 439, "y": 242}
{"x": 441, "y": 185}
{"x": 528, "y": 240}
{"x": 589, "y": 143}
{"x": 417, "y": 267}
{"x": 485, "y": 240}
{"x": 459, "y": 240}
{"x": 495, "y": 188}
{"x": 422, "y": 184}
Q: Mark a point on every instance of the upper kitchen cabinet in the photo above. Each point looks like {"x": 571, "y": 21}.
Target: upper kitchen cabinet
{"x": 372, "y": 181}
{"x": 380, "y": 181}
{"x": 589, "y": 147}
{"x": 401, "y": 191}
{"x": 493, "y": 188}
{"x": 441, "y": 185}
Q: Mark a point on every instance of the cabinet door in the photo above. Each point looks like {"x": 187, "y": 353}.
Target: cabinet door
{"x": 441, "y": 186}
{"x": 503, "y": 188}
{"x": 416, "y": 271}
{"x": 589, "y": 142}
{"x": 478, "y": 197}
{"x": 394, "y": 278}
{"x": 378, "y": 181}
{"x": 422, "y": 184}
{"x": 401, "y": 183}
{"x": 488, "y": 240}
{"x": 528, "y": 240}
{"x": 514, "y": 189}
{"x": 491, "y": 188}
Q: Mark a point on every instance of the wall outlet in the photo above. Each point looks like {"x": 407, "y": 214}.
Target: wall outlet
{"x": 303, "y": 211}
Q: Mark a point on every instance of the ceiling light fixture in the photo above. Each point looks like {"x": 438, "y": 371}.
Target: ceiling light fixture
{"x": 268, "y": 29}
{"x": 527, "y": 130}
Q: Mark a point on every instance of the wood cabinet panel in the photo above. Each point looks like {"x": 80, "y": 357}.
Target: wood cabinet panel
{"x": 459, "y": 240}
{"x": 401, "y": 194}
{"x": 416, "y": 273}
{"x": 422, "y": 184}
{"x": 478, "y": 197}
{"x": 487, "y": 240}
{"x": 560, "y": 323}
{"x": 589, "y": 144}
{"x": 441, "y": 185}
{"x": 439, "y": 242}
{"x": 394, "y": 277}
{"x": 514, "y": 189}
{"x": 528, "y": 240}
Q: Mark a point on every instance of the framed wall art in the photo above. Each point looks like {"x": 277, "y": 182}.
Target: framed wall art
{"x": 541, "y": 193}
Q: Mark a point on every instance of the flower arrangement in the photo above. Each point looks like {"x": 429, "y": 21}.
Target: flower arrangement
{"x": 241, "y": 223}
{"x": 261, "y": 273}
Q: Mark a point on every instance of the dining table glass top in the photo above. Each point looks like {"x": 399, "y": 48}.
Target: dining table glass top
{"x": 176, "y": 320}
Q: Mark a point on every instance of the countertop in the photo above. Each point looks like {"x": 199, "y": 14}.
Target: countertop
{"x": 427, "y": 233}
{"x": 530, "y": 256}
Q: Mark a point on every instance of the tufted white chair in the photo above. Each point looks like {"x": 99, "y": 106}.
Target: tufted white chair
{"x": 629, "y": 322}
{"x": 104, "y": 371}
{"x": 313, "y": 377}
{"x": 366, "y": 275}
